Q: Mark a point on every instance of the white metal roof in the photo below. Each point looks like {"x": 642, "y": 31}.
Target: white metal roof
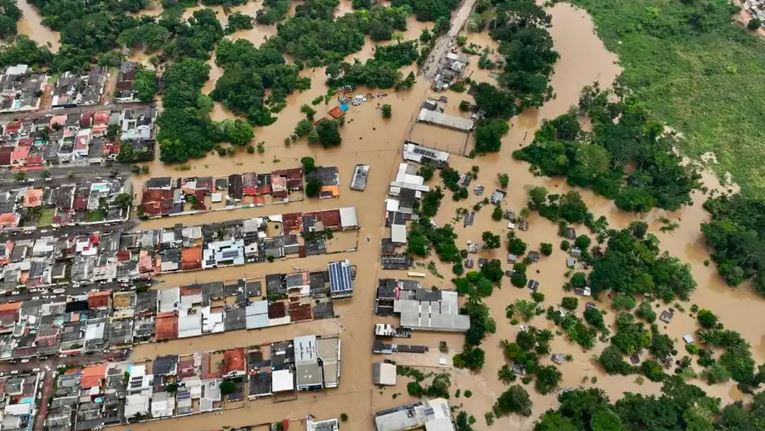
{"x": 348, "y": 217}
{"x": 282, "y": 380}
{"x": 398, "y": 233}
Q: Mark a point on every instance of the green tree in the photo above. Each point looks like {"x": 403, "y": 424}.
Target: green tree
{"x": 145, "y": 85}
{"x": 522, "y": 309}
{"x": 514, "y": 400}
{"x": 506, "y": 374}
{"x": 613, "y": 361}
{"x": 328, "y": 133}
{"x": 504, "y": 180}
{"x": 547, "y": 379}
{"x": 491, "y": 240}
{"x": 606, "y": 420}
{"x": 312, "y": 187}
{"x": 308, "y": 111}
{"x": 309, "y": 164}
{"x": 496, "y": 213}
{"x": 488, "y": 135}
{"x": 706, "y": 319}
{"x": 553, "y": 421}
{"x": 645, "y": 312}
{"x": 303, "y": 128}
{"x": 569, "y": 303}
{"x": 237, "y": 132}
{"x": 518, "y": 279}
{"x": 123, "y": 200}
{"x": 387, "y": 111}
{"x": 515, "y": 245}
{"x": 546, "y": 248}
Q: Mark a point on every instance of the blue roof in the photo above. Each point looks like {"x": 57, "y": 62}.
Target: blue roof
{"x": 340, "y": 277}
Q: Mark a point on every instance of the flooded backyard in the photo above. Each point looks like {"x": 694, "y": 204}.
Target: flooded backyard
{"x": 370, "y": 139}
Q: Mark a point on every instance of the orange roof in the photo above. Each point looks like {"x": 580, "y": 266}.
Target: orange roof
{"x": 107, "y": 292}
{"x": 333, "y": 190}
{"x": 92, "y": 375}
{"x": 9, "y": 308}
{"x": 9, "y": 219}
{"x": 233, "y": 360}
{"x": 19, "y": 153}
{"x": 33, "y": 198}
{"x": 336, "y": 112}
{"x": 166, "y": 326}
{"x": 99, "y": 299}
{"x": 191, "y": 257}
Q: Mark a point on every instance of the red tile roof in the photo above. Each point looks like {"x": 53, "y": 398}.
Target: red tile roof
{"x": 166, "y": 326}
{"x": 100, "y": 299}
{"x": 233, "y": 360}
{"x": 292, "y": 222}
{"x": 92, "y": 376}
{"x": 155, "y": 202}
{"x": 191, "y": 258}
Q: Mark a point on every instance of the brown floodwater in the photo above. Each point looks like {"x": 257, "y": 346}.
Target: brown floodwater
{"x": 370, "y": 139}
{"x": 31, "y": 25}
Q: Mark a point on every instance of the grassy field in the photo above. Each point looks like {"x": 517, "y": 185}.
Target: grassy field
{"x": 697, "y": 70}
{"x": 46, "y": 217}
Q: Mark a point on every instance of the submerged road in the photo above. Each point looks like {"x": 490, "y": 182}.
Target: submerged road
{"x": 442, "y": 45}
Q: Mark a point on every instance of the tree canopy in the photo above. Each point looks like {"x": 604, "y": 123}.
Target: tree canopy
{"x": 635, "y": 266}
{"x": 736, "y": 236}
{"x": 627, "y": 157}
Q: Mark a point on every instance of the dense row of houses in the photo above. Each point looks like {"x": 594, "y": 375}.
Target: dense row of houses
{"x": 88, "y": 138}
{"x": 166, "y": 196}
{"x": 75, "y": 202}
{"x": 20, "y": 88}
{"x": 107, "y": 320}
{"x": 103, "y": 394}
{"x": 122, "y": 257}
{"x": 18, "y": 395}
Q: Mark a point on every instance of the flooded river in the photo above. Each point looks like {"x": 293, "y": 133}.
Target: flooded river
{"x": 31, "y": 25}
{"x": 370, "y": 139}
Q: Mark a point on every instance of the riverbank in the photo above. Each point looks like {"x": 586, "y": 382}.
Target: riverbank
{"x": 700, "y": 76}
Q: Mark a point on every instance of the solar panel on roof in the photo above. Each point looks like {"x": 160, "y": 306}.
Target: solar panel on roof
{"x": 424, "y": 151}
{"x": 340, "y": 277}
{"x": 229, "y": 254}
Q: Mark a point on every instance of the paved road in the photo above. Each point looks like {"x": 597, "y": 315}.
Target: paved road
{"x": 442, "y": 45}
{"x": 67, "y": 230}
{"x": 63, "y": 174}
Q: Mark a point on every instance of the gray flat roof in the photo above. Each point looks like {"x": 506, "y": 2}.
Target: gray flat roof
{"x": 445, "y": 120}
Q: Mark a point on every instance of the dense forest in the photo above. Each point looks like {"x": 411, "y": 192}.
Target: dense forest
{"x": 736, "y": 236}
{"x": 521, "y": 28}
{"x": 680, "y": 406}
{"x": 9, "y": 15}
{"x": 248, "y": 73}
{"x": 692, "y": 67}
{"x": 626, "y": 157}
{"x": 380, "y": 72}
